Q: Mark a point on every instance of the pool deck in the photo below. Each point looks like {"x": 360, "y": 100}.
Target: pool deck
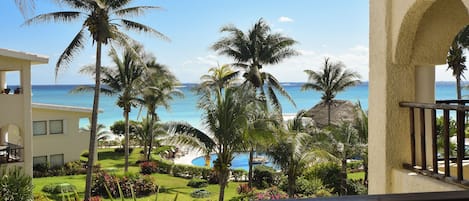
{"x": 188, "y": 156}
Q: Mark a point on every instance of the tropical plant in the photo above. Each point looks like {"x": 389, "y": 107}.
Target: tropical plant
{"x": 456, "y": 59}
{"x": 15, "y": 184}
{"x": 101, "y": 134}
{"x": 218, "y": 79}
{"x": 103, "y": 20}
{"x": 344, "y": 143}
{"x": 158, "y": 88}
{"x": 295, "y": 149}
{"x": 226, "y": 121}
{"x": 331, "y": 79}
{"x": 254, "y": 49}
{"x": 361, "y": 126}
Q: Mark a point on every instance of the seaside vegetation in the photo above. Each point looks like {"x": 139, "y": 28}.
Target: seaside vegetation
{"x": 241, "y": 113}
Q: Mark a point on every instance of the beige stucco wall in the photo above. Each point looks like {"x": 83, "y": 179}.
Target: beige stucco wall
{"x": 405, "y": 181}
{"x": 404, "y": 34}
{"x": 72, "y": 143}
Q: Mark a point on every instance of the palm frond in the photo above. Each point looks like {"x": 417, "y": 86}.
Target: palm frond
{"x": 130, "y": 25}
{"x": 135, "y": 11}
{"x": 54, "y": 17}
{"x": 72, "y": 49}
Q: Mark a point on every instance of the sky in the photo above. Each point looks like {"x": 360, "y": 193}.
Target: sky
{"x": 323, "y": 28}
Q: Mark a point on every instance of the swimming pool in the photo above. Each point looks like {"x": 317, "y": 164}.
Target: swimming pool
{"x": 240, "y": 161}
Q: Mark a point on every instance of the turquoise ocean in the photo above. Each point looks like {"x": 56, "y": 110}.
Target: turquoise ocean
{"x": 184, "y": 109}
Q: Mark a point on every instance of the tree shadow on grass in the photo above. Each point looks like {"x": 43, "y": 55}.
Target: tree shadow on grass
{"x": 110, "y": 155}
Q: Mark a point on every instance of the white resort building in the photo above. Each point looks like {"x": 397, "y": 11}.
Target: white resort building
{"x": 32, "y": 133}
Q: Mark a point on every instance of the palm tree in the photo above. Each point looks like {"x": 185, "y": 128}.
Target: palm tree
{"x": 103, "y": 20}
{"x": 361, "y": 125}
{"x": 253, "y": 50}
{"x": 331, "y": 79}
{"x": 100, "y": 135}
{"x": 226, "y": 121}
{"x": 456, "y": 59}
{"x": 157, "y": 88}
{"x": 294, "y": 150}
{"x": 344, "y": 143}
{"x": 220, "y": 78}
{"x": 123, "y": 82}
{"x": 25, "y": 6}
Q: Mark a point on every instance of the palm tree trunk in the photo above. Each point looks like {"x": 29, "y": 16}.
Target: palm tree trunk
{"x": 251, "y": 156}
{"x": 291, "y": 184}
{"x": 223, "y": 181}
{"x": 458, "y": 86}
{"x": 94, "y": 123}
{"x": 150, "y": 132}
{"x": 126, "y": 146}
{"x": 343, "y": 186}
{"x": 329, "y": 112}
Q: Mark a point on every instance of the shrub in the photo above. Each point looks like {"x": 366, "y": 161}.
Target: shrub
{"x": 148, "y": 167}
{"x": 264, "y": 177}
{"x": 142, "y": 185}
{"x": 328, "y": 173}
{"x": 197, "y": 183}
{"x": 121, "y": 150}
{"x": 85, "y": 154}
{"x": 239, "y": 174}
{"x": 356, "y": 187}
{"x": 58, "y": 188}
{"x": 272, "y": 193}
{"x": 164, "y": 166}
{"x": 354, "y": 165}
{"x": 200, "y": 193}
{"x": 304, "y": 187}
{"x": 244, "y": 189}
{"x": 213, "y": 177}
{"x": 15, "y": 184}
{"x": 74, "y": 168}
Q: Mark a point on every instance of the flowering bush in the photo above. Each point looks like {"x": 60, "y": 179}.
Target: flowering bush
{"x": 141, "y": 185}
{"x": 272, "y": 193}
{"x": 148, "y": 167}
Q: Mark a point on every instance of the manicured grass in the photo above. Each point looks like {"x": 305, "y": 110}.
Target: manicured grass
{"x": 356, "y": 175}
{"x": 109, "y": 159}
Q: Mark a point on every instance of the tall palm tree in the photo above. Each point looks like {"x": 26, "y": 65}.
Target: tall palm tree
{"x": 253, "y": 50}
{"x": 226, "y": 121}
{"x": 103, "y": 19}
{"x": 295, "y": 149}
{"x": 456, "y": 59}
{"x": 157, "y": 88}
{"x": 123, "y": 81}
{"x": 331, "y": 79}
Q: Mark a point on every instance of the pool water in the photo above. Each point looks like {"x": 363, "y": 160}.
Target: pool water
{"x": 240, "y": 161}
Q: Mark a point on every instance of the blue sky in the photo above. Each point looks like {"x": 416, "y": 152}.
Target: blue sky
{"x": 323, "y": 28}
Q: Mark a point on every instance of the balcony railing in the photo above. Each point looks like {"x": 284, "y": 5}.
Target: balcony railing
{"x": 12, "y": 153}
{"x": 447, "y": 108}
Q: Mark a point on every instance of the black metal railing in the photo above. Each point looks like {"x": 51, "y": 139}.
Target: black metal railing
{"x": 11, "y": 154}
{"x": 446, "y": 107}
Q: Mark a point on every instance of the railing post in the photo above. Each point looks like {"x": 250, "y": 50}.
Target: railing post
{"x": 412, "y": 135}
{"x": 446, "y": 141}
{"x": 434, "y": 143}
{"x": 423, "y": 151}
{"x": 460, "y": 143}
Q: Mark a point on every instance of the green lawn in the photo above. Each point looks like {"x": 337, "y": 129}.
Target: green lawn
{"x": 356, "y": 175}
{"x": 109, "y": 159}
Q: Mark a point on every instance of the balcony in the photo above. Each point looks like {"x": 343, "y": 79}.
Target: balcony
{"x": 11, "y": 153}
{"x": 445, "y": 158}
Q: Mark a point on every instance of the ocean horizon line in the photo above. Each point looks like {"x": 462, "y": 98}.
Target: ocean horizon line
{"x": 194, "y": 83}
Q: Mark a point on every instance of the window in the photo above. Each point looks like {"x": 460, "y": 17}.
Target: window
{"x": 56, "y": 126}
{"x": 57, "y": 160}
{"x": 39, "y": 160}
{"x": 39, "y": 127}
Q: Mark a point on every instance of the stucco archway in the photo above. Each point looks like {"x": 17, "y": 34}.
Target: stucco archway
{"x": 10, "y": 133}
{"x": 427, "y": 30}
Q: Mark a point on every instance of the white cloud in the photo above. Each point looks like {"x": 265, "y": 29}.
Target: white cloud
{"x": 284, "y": 19}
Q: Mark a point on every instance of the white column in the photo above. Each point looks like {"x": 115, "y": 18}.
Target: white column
{"x": 424, "y": 93}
